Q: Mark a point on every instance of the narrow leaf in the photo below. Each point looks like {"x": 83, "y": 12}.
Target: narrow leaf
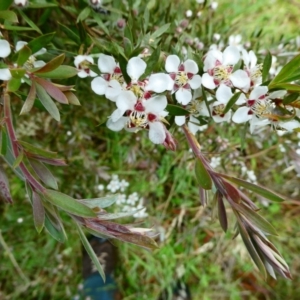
{"x": 290, "y": 98}
{"x": 202, "y": 175}
{"x": 231, "y": 102}
{"x": 175, "y": 110}
{"x": 37, "y": 44}
{"x": 30, "y": 22}
{"x": 14, "y": 84}
{"x": 4, "y": 187}
{"x": 72, "y": 99}
{"x": 255, "y": 188}
{"x": 38, "y": 212}
{"x": 32, "y": 149}
{"x": 90, "y": 251}
{"x": 70, "y": 34}
{"x": 18, "y": 160}
{"x": 17, "y": 72}
{"x": 100, "y": 202}
{"x": 5, "y": 4}
{"x": 157, "y": 33}
{"x": 28, "y": 104}
{"x": 222, "y": 214}
{"x": 231, "y": 192}
{"x": 52, "y": 90}
{"x": 56, "y": 233}
{"x": 23, "y": 55}
{"x": 9, "y": 16}
{"x": 285, "y": 86}
{"x": 266, "y": 66}
{"x": 47, "y": 102}
{"x": 84, "y": 14}
{"x": 68, "y": 204}
{"x": 44, "y": 174}
{"x": 52, "y": 64}
{"x": 62, "y": 72}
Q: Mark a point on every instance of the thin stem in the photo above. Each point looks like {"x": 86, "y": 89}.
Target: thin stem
{"x": 15, "y": 147}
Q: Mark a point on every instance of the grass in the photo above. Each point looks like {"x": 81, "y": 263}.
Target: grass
{"x": 192, "y": 244}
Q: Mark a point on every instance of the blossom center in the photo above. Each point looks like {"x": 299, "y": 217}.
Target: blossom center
{"x": 218, "y": 110}
{"x": 181, "y": 79}
{"x": 262, "y": 108}
{"x": 138, "y": 119}
{"x": 137, "y": 89}
{"x": 222, "y": 73}
{"x": 29, "y": 64}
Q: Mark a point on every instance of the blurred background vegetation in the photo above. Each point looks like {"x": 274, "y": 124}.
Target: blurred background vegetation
{"x": 192, "y": 244}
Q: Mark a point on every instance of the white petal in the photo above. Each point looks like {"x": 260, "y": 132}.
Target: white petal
{"x": 5, "y": 74}
{"x": 82, "y": 74}
{"x": 80, "y": 58}
{"x": 157, "y": 134}
{"x": 240, "y": 80}
{"x": 180, "y": 120}
{"x": 246, "y": 58}
{"x": 40, "y": 52}
{"x": 211, "y": 58}
{"x": 223, "y": 93}
{"x": 4, "y": 48}
{"x": 39, "y": 63}
{"x": 99, "y": 85}
{"x": 20, "y": 45}
{"x": 126, "y": 100}
{"x": 116, "y": 126}
{"x": 231, "y": 55}
{"x": 258, "y": 92}
{"x": 242, "y": 99}
{"x": 135, "y": 68}
{"x": 203, "y": 110}
{"x": 190, "y": 66}
{"x": 195, "y": 82}
{"x": 172, "y": 63}
{"x": 159, "y": 83}
{"x": 106, "y": 64}
{"x": 208, "y": 81}
{"x": 113, "y": 90}
{"x": 155, "y": 104}
{"x": 183, "y": 96}
{"x": 92, "y": 73}
{"x": 290, "y": 125}
{"x": 117, "y": 114}
{"x": 277, "y": 94}
{"x": 253, "y": 59}
{"x": 241, "y": 115}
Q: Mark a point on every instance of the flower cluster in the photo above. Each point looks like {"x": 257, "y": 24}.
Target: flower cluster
{"x": 141, "y": 103}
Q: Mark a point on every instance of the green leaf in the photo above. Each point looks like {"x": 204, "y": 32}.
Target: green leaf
{"x": 222, "y": 214}
{"x": 14, "y": 84}
{"x": 70, "y": 34}
{"x": 18, "y": 160}
{"x": 84, "y": 14}
{"x": 287, "y": 71}
{"x": 152, "y": 62}
{"x": 8, "y": 15}
{"x": 72, "y": 99}
{"x": 254, "y": 188}
{"x": 90, "y": 251}
{"x": 175, "y": 110}
{"x": 157, "y": 33}
{"x": 52, "y": 64}
{"x": 290, "y": 98}
{"x": 285, "y": 86}
{"x": 55, "y": 229}
{"x": 100, "y": 23}
{"x": 29, "y": 22}
{"x": 251, "y": 249}
{"x": 62, "y": 72}
{"x": 47, "y": 102}
{"x": 23, "y": 55}
{"x": 202, "y": 175}
{"x": 16, "y": 28}
{"x": 32, "y": 149}
{"x": 38, "y": 211}
{"x": 68, "y": 204}
{"x": 28, "y": 104}
{"x": 231, "y": 102}
{"x": 17, "y": 73}
{"x": 43, "y": 173}
{"x": 100, "y": 202}
{"x": 255, "y": 219}
{"x": 4, "y": 184}
{"x": 266, "y": 66}
{"x": 5, "y": 4}
{"x": 37, "y": 44}
{"x": 146, "y": 19}
{"x": 52, "y": 90}
{"x": 4, "y": 141}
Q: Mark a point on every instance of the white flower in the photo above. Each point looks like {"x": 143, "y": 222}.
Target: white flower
{"x": 235, "y": 40}
{"x": 219, "y": 68}
{"x": 188, "y": 13}
{"x": 82, "y": 63}
{"x": 21, "y": 3}
{"x": 135, "y": 68}
{"x": 184, "y": 77}
{"x": 257, "y": 109}
{"x": 123, "y": 185}
{"x": 252, "y": 68}
{"x": 4, "y": 48}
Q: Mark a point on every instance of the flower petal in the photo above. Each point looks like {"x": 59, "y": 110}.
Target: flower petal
{"x": 241, "y": 115}
{"x": 126, "y": 100}
{"x": 80, "y": 58}
{"x": 180, "y": 120}
{"x": 190, "y": 66}
{"x": 159, "y": 83}
{"x": 106, "y": 64}
{"x": 208, "y": 81}
{"x": 155, "y": 104}
{"x": 223, "y": 93}
{"x": 20, "y": 45}
{"x": 195, "y": 82}
{"x": 135, "y": 68}
{"x": 118, "y": 125}
{"x": 183, "y": 96}
{"x": 172, "y": 63}
{"x": 99, "y": 85}
{"x": 157, "y": 134}
{"x": 225, "y": 118}
{"x": 231, "y": 55}
{"x": 5, "y": 74}
{"x": 240, "y": 80}
{"x": 113, "y": 91}
{"x": 117, "y": 114}
{"x": 4, "y": 48}
{"x": 258, "y": 92}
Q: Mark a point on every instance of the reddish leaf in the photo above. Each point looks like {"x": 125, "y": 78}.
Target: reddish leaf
{"x": 28, "y": 104}
{"x": 52, "y": 64}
